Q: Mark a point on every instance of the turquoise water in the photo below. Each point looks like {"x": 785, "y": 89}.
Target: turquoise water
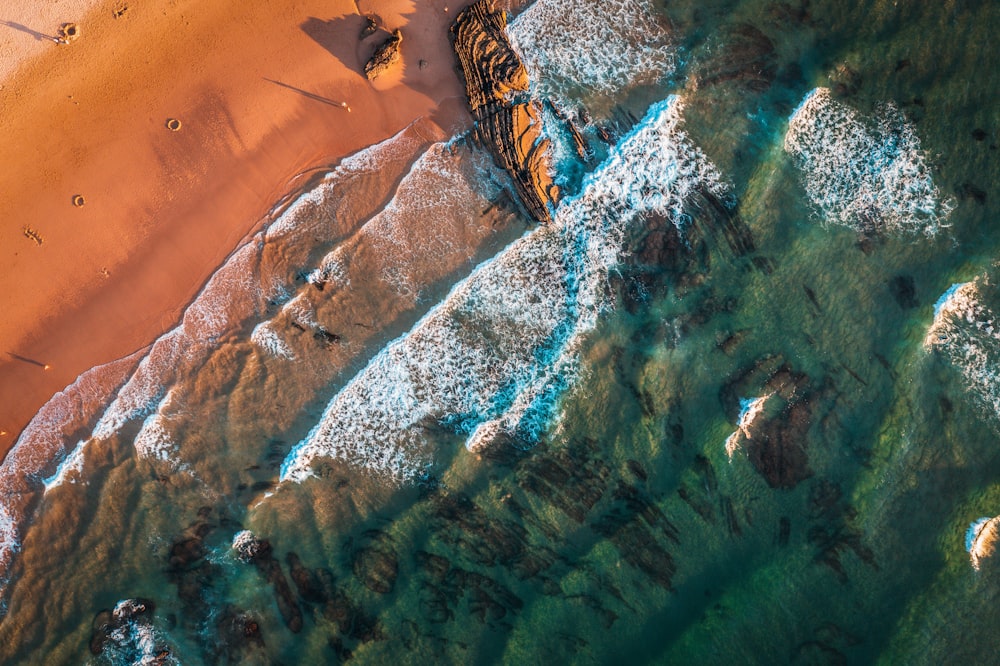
{"x": 466, "y": 439}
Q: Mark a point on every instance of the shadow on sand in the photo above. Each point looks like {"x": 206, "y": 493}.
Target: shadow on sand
{"x": 39, "y": 36}
{"x": 313, "y": 96}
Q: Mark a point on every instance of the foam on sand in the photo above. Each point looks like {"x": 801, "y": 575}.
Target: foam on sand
{"x": 868, "y": 173}
{"x": 495, "y": 355}
{"x": 967, "y": 333}
{"x": 604, "y": 47}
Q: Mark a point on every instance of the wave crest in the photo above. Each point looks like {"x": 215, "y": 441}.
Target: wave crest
{"x": 497, "y": 353}
{"x": 865, "y": 173}
{"x": 583, "y": 46}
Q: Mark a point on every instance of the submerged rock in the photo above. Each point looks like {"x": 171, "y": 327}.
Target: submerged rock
{"x": 375, "y": 562}
{"x": 252, "y": 550}
{"x": 126, "y": 634}
{"x": 746, "y": 56}
{"x": 386, "y": 55}
{"x": 774, "y": 439}
{"x": 507, "y": 120}
{"x": 248, "y": 547}
{"x": 981, "y": 540}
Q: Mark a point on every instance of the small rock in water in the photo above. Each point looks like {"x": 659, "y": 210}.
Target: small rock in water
{"x": 982, "y": 539}
{"x": 248, "y": 547}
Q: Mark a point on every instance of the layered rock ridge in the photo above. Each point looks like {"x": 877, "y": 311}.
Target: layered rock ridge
{"x": 508, "y": 121}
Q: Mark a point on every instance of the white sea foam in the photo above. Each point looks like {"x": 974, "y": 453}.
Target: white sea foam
{"x": 135, "y": 641}
{"x": 269, "y": 340}
{"x": 946, "y": 296}
{"x": 967, "y": 333}
{"x": 495, "y": 355}
{"x": 146, "y": 386}
{"x": 864, "y": 172}
{"x": 10, "y": 542}
{"x": 154, "y": 441}
{"x": 69, "y": 469}
{"x": 580, "y": 45}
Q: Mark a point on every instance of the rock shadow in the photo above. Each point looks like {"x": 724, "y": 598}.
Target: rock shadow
{"x": 341, "y": 37}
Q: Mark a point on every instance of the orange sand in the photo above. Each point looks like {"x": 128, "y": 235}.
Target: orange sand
{"x": 256, "y": 91}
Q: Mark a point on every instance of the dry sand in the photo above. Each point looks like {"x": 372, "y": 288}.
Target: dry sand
{"x": 256, "y": 91}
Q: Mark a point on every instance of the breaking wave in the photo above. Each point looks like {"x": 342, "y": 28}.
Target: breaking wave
{"x": 579, "y": 46}
{"x": 494, "y": 356}
{"x": 130, "y": 388}
{"x": 868, "y": 173}
{"x": 750, "y": 410}
{"x": 967, "y": 333}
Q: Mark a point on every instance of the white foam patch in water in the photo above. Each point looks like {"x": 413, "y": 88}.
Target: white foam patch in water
{"x": 495, "y": 355}
{"x": 135, "y": 641}
{"x": 968, "y": 334}
{"x": 70, "y": 469}
{"x": 10, "y": 542}
{"x": 946, "y": 296}
{"x": 605, "y": 47}
{"x": 138, "y": 397}
{"x": 155, "y": 440}
{"x": 271, "y": 342}
{"x": 864, "y": 172}
{"x": 750, "y": 409}
{"x": 332, "y": 272}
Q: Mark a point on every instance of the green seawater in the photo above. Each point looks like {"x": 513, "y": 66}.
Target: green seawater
{"x": 627, "y": 534}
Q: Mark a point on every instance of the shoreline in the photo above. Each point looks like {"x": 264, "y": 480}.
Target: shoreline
{"x": 164, "y": 209}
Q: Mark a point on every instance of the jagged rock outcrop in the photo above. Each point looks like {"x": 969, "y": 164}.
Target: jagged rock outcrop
{"x": 507, "y": 120}
{"x": 386, "y": 55}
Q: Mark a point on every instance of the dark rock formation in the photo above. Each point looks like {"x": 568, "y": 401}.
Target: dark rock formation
{"x": 776, "y": 446}
{"x": 507, "y": 120}
{"x": 386, "y": 55}
{"x": 746, "y": 56}
{"x": 375, "y": 562}
{"x": 445, "y": 586}
{"x": 904, "y": 290}
{"x": 126, "y": 635}
{"x": 258, "y": 552}
{"x": 572, "y": 480}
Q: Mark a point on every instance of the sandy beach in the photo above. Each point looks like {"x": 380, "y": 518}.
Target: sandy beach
{"x": 259, "y": 95}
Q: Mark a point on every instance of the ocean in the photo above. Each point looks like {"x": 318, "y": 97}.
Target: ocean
{"x": 738, "y": 403}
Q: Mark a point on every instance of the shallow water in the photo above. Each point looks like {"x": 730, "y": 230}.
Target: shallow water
{"x": 725, "y": 409}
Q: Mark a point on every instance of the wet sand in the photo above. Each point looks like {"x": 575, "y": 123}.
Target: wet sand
{"x": 258, "y": 94}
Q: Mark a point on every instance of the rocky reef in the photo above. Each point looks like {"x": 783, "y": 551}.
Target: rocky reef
{"x": 507, "y": 119}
